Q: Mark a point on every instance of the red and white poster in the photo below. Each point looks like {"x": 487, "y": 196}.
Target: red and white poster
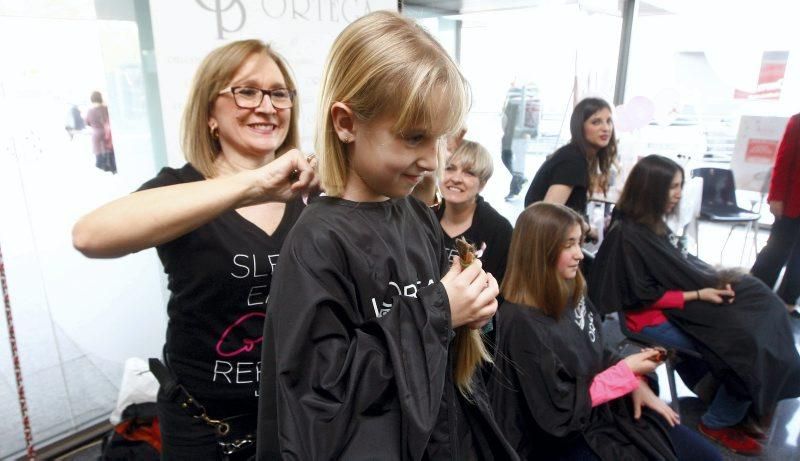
{"x": 770, "y": 78}
{"x": 761, "y": 151}
{"x": 754, "y": 152}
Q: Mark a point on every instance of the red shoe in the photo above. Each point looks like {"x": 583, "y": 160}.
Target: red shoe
{"x": 733, "y": 439}
{"x": 750, "y": 429}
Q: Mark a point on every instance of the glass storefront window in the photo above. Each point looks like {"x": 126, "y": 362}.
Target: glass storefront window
{"x": 558, "y": 51}
{"x": 55, "y": 55}
{"x": 697, "y": 67}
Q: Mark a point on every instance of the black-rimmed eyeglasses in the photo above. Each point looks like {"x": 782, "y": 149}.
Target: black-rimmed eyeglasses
{"x": 247, "y": 97}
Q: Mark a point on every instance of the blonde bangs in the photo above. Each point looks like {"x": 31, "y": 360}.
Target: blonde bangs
{"x": 384, "y": 64}
{"x": 435, "y": 98}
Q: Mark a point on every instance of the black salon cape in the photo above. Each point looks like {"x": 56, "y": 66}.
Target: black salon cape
{"x": 748, "y": 344}
{"x": 540, "y": 390}
{"x": 352, "y": 370}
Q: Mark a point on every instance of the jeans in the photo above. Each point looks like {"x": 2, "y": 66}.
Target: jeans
{"x": 727, "y": 409}
{"x": 782, "y": 249}
{"x": 517, "y": 177}
{"x": 689, "y": 446}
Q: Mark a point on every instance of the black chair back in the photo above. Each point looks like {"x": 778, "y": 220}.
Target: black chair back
{"x": 719, "y": 190}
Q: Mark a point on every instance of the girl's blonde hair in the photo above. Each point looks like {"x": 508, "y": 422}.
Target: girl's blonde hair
{"x": 214, "y": 75}
{"x": 475, "y": 158}
{"x": 531, "y": 276}
{"x": 384, "y": 64}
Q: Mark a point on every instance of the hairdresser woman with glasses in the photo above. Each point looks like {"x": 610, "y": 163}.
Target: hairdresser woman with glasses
{"x": 218, "y": 224}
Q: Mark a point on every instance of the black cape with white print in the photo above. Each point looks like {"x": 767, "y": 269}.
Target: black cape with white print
{"x": 540, "y": 389}
{"x": 358, "y": 358}
{"x": 747, "y": 344}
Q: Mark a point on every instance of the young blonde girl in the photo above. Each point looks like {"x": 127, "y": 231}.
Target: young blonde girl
{"x": 372, "y": 348}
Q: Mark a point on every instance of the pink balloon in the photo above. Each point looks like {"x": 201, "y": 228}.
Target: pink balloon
{"x": 622, "y": 120}
{"x": 640, "y": 111}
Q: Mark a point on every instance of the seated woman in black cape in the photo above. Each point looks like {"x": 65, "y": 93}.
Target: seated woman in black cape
{"x": 556, "y": 392}
{"x": 736, "y": 323}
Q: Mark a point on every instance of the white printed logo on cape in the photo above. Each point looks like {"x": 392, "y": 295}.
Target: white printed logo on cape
{"x": 585, "y": 319}
{"x": 395, "y": 289}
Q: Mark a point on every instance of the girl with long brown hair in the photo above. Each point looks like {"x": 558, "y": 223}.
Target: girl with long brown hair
{"x": 556, "y": 391}
{"x": 736, "y": 323}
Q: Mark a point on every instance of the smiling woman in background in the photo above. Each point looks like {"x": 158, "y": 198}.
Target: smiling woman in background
{"x": 218, "y": 224}
{"x": 464, "y": 213}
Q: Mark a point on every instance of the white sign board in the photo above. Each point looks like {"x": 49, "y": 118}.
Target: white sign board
{"x": 754, "y": 152}
{"x": 302, "y": 31}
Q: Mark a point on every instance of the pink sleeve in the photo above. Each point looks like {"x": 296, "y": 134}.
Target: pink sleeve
{"x": 672, "y": 299}
{"x": 612, "y": 383}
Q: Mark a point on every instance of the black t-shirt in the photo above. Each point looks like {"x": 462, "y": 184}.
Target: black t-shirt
{"x": 567, "y": 166}
{"x": 219, "y": 277}
{"x": 489, "y": 227}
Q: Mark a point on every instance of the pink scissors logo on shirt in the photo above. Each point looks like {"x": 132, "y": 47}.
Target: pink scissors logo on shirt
{"x": 239, "y": 327}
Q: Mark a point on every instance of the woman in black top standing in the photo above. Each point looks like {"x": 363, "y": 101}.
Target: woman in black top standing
{"x": 218, "y": 224}
{"x": 581, "y": 167}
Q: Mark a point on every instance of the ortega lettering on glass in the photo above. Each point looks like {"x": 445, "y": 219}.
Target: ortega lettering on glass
{"x": 230, "y": 12}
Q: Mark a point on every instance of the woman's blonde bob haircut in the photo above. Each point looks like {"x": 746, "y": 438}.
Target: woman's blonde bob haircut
{"x": 473, "y": 157}
{"x": 531, "y": 276}
{"x": 214, "y": 75}
{"x": 384, "y": 64}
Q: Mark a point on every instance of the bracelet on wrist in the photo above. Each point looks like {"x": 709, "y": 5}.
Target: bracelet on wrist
{"x": 698, "y": 294}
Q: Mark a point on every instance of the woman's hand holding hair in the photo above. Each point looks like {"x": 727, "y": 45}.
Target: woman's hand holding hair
{"x": 716, "y": 296}
{"x": 472, "y": 294}
{"x": 643, "y": 396}
{"x": 644, "y": 362}
{"x": 282, "y": 178}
